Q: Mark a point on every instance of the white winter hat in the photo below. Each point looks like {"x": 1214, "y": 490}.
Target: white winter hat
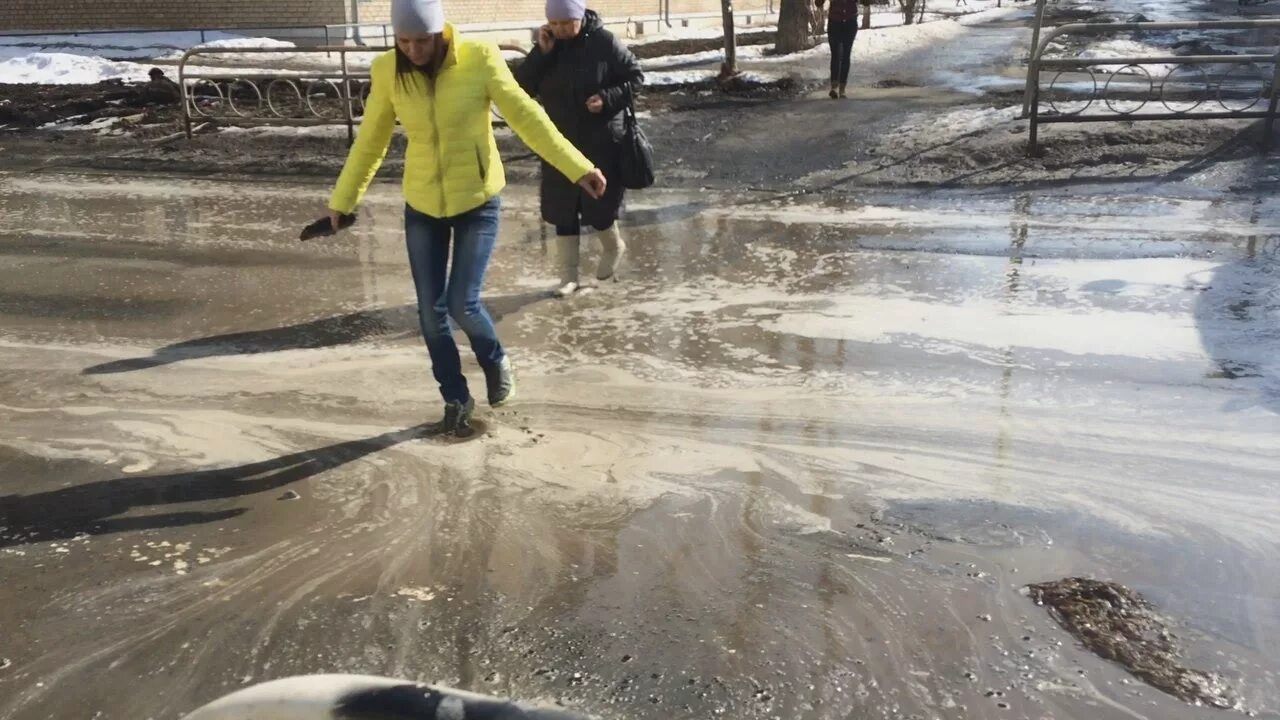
{"x": 566, "y": 9}
{"x": 417, "y": 16}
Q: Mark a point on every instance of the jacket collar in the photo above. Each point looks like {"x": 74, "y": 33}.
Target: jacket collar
{"x": 591, "y": 22}
{"x": 451, "y": 36}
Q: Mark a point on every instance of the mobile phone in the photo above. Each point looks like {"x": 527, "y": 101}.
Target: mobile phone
{"x": 324, "y": 228}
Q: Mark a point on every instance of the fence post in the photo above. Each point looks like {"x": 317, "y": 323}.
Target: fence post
{"x": 1269, "y": 126}
{"x": 1033, "y": 145}
{"x": 186, "y": 97}
{"x": 1032, "y": 69}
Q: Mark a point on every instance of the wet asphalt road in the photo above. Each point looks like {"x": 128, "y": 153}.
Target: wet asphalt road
{"x": 798, "y": 464}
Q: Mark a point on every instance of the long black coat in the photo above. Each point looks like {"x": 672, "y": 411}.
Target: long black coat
{"x": 593, "y": 63}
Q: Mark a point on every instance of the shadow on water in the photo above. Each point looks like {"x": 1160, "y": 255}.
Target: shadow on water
{"x": 394, "y": 323}
{"x": 92, "y": 508}
{"x": 1238, "y": 319}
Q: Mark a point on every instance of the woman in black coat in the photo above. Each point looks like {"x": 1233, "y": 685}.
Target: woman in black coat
{"x": 584, "y": 77}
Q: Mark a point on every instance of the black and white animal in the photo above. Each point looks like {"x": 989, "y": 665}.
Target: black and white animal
{"x": 359, "y": 697}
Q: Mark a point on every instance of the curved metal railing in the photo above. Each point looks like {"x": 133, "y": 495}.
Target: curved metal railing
{"x": 301, "y": 87}
{"x": 1172, "y": 87}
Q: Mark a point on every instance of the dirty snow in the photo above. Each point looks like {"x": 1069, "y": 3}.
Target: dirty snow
{"x": 886, "y": 44}
{"x": 691, "y": 33}
{"x": 114, "y": 46}
{"x": 294, "y": 131}
{"x": 891, "y": 42}
{"x": 56, "y": 60}
{"x": 245, "y": 43}
{"x": 100, "y": 124}
{"x": 241, "y": 43}
{"x": 959, "y": 122}
{"x": 71, "y": 60}
{"x": 697, "y": 77}
{"x": 710, "y": 56}
{"x": 1122, "y": 48}
{"x": 66, "y": 69}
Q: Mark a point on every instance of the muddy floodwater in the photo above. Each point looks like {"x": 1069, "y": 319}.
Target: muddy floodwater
{"x": 801, "y": 463}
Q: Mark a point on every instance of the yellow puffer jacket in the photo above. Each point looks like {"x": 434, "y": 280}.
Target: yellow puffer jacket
{"x": 452, "y": 164}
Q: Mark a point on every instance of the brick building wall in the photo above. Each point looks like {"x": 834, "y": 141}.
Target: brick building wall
{"x": 468, "y": 12}
{"x": 69, "y": 15}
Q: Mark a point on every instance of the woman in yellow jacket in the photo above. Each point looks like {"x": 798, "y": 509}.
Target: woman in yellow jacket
{"x": 440, "y": 86}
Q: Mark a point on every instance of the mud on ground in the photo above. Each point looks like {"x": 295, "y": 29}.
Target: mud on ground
{"x": 1118, "y": 624}
{"x": 28, "y": 107}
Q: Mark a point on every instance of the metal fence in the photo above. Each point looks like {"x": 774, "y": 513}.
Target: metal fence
{"x": 1171, "y": 87}
{"x": 283, "y": 87}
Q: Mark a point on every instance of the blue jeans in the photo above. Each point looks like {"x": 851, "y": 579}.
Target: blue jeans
{"x": 446, "y": 292}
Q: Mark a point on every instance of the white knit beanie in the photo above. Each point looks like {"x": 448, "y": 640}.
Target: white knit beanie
{"x": 566, "y": 9}
{"x": 417, "y": 16}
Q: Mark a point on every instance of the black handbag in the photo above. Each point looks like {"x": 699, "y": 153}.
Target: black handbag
{"x": 636, "y": 166}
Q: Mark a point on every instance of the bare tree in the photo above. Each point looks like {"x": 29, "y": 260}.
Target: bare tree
{"x": 796, "y": 26}
{"x": 912, "y": 11}
{"x": 730, "y": 66}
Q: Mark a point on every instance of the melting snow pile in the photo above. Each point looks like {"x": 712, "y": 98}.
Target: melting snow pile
{"x": 65, "y": 69}
{"x": 63, "y": 60}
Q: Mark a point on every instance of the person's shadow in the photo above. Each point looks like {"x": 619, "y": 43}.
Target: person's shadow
{"x": 93, "y": 508}
{"x": 391, "y": 323}
{"x": 1235, "y": 316}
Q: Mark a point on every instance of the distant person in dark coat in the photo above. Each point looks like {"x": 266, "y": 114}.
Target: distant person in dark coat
{"x": 842, "y": 30}
{"x": 585, "y": 78}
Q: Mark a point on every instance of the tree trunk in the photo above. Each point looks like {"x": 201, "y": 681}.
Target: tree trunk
{"x": 730, "y": 67}
{"x": 866, "y": 16}
{"x": 795, "y": 26}
{"x": 908, "y": 11}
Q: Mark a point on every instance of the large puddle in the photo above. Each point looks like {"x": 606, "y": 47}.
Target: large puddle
{"x": 801, "y": 463}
